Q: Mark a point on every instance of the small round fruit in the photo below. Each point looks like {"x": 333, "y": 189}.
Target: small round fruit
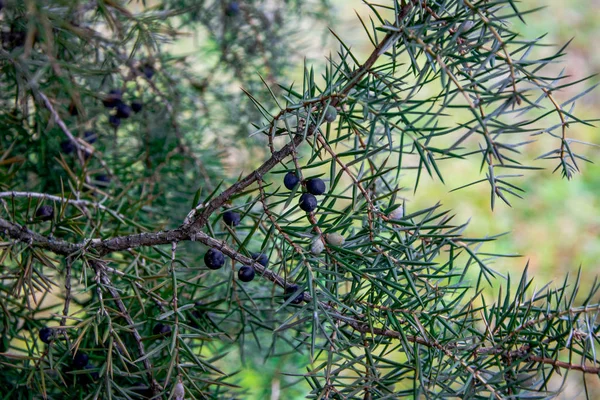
{"x": 330, "y": 114}
{"x": 196, "y": 314}
{"x": 293, "y": 292}
{"x": 261, "y": 258}
{"x": 148, "y": 70}
{"x": 102, "y": 180}
{"x": 123, "y": 111}
{"x": 114, "y": 121}
{"x": 335, "y": 239}
{"x": 214, "y": 259}
{"x": 308, "y": 202}
{"x": 315, "y": 186}
{"x": 80, "y": 360}
{"x": 162, "y": 329}
{"x": 67, "y": 146}
{"x": 317, "y": 247}
{"x": 136, "y": 106}
{"x": 231, "y": 218}
{"x": 90, "y": 136}
{"x": 94, "y": 375}
{"x": 113, "y": 98}
{"x": 46, "y": 335}
{"x": 290, "y": 180}
{"x": 232, "y": 9}
{"x": 246, "y": 273}
{"x": 73, "y": 109}
{"x": 45, "y": 213}
{"x": 398, "y": 213}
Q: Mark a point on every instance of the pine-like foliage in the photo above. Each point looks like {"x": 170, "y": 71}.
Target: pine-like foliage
{"x": 112, "y": 155}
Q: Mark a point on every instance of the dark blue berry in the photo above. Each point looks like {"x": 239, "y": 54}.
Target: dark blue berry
{"x": 246, "y": 273}
{"x": 161, "y": 329}
{"x": 80, "y": 360}
{"x": 232, "y": 9}
{"x": 94, "y": 375}
{"x": 90, "y": 136}
{"x": 308, "y": 202}
{"x": 261, "y": 258}
{"x": 214, "y": 259}
{"x": 136, "y": 106}
{"x": 73, "y": 109}
{"x": 148, "y": 70}
{"x": 67, "y": 146}
{"x": 293, "y": 292}
{"x": 102, "y": 180}
{"x": 197, "y": 313}
{"x": 315, "y": 186}
{"x": 46, "y": 335}
{"x": 113, "y": 99}
{"x": 45, "y": 213}
{"x": 231, "y": 218}
{"x": 290, "y": 180}
{"x": 114, "y": 121}
{"x": 123, "y": 111}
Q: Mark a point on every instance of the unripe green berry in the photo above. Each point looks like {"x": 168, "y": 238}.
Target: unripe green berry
{"x": 330, "y": 114}
{"x": 317, "y": 247}
{"x": 396, "y": 214}
{"x": 335, "y": 239}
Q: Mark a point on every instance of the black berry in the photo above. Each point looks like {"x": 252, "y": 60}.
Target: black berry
{"x": 246, "y": 273}
{"x": 67, "y": 146}
{"x": 80, "y": 360}
{"x": 73, "y": 109}
{"x": 94, "y": 375}
{"x": 231, "y": 218}
{"x": 315, "y": 186}
{"x": 45, "y": 335}
{"x": 45, "y": 213}
{"x": 197, "y": 313}
{"x": 293, "y": 292}
{"x": 261, "y": 258}
{"x": 161, "y": 329}
{"x": 232, "y": 9}
{"x": 102, "y": 180}
{"x": 136, "y": 106}
{"x": 148, "y": 70}
{"x": 290, "y": 180}
{"x": 123, "y": 111}
{"x": 114, "y": 121}
{"x": 308, "y": 202}
{"x": 90, "y": 136}
{"x": 214, "y": 259}
{"x": 113, "y": 99}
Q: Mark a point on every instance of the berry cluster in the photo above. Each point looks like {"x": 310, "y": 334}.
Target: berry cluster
{"x": 114, "y": 100}
{"x": 314, "y": 187}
